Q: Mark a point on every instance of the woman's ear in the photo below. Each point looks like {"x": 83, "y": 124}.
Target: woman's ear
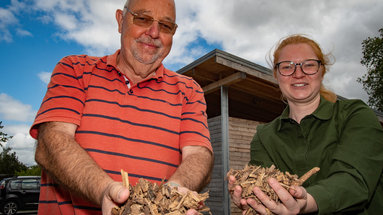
{"x": 275, "y": 73}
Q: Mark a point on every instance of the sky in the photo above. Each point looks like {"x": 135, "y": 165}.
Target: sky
{"x": 36, "y": 34}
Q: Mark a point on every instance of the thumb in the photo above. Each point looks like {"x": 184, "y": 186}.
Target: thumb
{"x": 123, "y": 194}
{"x": 119, "y": 193}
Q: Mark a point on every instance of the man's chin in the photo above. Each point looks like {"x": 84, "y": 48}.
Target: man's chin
{"x": 147, "y": 58}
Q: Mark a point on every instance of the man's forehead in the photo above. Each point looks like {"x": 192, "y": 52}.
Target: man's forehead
{"x": 134, "y": 3}
{"x": 166, "y": 8}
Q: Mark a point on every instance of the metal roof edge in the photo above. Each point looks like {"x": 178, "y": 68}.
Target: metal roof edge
{"x": 197, "y": 62}
{"x": 228, "y": 56}
{"x": 243, "y": 62}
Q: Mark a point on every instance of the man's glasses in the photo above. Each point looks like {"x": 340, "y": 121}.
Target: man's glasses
{"x": 309, "y": 67}
{"x": 146, "y": 21}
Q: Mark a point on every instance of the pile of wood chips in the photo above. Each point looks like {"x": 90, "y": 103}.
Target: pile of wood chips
{"x": 252, "y": 176}
{"x": 148, "y": 198}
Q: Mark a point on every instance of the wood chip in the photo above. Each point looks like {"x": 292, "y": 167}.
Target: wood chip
{"x": 252, "y": 176}
{"x": 148, "y": 198}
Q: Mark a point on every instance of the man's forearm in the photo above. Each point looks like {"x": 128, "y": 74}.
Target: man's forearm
{"x": 195, "y": 169}
{"x": 62, "y": 157}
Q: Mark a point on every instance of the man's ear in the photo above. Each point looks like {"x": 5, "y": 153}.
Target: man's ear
{"x": 120, "y": 19}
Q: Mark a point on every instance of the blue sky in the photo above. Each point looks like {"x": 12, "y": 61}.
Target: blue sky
{"x": 36, "y": 34}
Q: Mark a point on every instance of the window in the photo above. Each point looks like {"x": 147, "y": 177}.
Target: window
{"x": 15, "y": 184}
{"x": 29, "y": 184}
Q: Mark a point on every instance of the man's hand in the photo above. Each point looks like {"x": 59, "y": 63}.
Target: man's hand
{"x": 184, "y": 191}
{"x": 115, "y": 194}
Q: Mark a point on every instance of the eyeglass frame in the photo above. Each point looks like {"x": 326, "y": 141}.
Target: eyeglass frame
{"x": 300, "y": 64}
{"x": 153, "y": 19}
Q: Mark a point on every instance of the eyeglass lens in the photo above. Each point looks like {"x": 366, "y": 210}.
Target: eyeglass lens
{"x": 308, "y": 67}
{"x": 146, "y": 21}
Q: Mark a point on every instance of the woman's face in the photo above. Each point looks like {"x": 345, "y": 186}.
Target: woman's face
{"x": 299, "y": 87}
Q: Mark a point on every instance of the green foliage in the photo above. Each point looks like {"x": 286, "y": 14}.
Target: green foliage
{"x": 32, "y": 170}
{"x": 3, "y": 136}
{"x": 373, "y": 60}
{"x": 9, "y": 163}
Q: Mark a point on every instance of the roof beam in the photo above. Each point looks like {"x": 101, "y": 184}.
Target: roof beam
{"x": 231, "y": 79}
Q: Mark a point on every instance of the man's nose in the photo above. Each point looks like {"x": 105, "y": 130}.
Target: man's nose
{"x": 154, "y": 30}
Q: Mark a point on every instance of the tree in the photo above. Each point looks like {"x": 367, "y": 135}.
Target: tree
{"x": 32, "y": 170}
{"x": 373, "y": 60}
{"x": 9, "y": 163}
{"x": 3, "y": 136}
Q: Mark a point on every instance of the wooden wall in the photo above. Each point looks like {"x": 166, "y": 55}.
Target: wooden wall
{"x": 241, "y": 132}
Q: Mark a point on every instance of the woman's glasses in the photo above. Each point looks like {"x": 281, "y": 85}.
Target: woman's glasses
{"x": 309, "y": 67}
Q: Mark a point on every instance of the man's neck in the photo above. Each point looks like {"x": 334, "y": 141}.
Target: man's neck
{"x": 136, "y": 71}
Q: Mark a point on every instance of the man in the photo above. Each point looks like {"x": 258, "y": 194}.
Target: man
{"x": 122, "y": 111}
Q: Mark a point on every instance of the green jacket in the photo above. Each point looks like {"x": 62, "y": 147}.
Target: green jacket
{"x": 344, "y": 139}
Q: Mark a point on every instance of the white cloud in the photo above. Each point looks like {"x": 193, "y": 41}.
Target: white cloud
{"x": 66, "y": 21}
{"x": 248, "y": 29}
{"x": 7, "y": 19}
{"x": 23, "y": 33}
{"x": 45, "y": 77}
{"x": 89, "y": 23}
{"x": 15, "y": 116}
{"x": 11, "y": 109}
{"x": 21, "y": 143}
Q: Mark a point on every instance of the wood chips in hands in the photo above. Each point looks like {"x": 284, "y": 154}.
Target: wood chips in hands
{"x": 148, "y": 198}
{"x": 252, "y": 176}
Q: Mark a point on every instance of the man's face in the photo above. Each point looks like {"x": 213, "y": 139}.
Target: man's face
{"x": 148, "y": 45}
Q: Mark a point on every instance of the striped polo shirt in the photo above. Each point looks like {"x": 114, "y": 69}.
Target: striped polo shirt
{"x": 140, "y": 128}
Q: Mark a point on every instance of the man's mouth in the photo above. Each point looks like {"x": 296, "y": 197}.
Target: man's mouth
{"x": 149, "y": 43}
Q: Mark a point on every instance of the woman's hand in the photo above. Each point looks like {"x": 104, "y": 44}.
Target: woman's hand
{"x": 236, "y": 194}
{"x": 294, "y": 201}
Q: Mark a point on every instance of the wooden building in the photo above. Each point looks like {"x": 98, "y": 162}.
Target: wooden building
{"x": 240, "y": 95}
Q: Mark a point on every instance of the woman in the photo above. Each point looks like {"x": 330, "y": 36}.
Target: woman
{"x": 342, "y": 137}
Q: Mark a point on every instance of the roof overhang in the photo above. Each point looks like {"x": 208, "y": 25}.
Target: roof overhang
{"x": 253, "y": 91}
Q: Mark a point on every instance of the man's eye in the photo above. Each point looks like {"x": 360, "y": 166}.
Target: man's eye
{"x": 166, "y": 26}
{"x": 143, "y": 19}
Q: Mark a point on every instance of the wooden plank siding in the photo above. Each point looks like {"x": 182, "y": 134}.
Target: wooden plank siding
{"x": 241, "y": 132}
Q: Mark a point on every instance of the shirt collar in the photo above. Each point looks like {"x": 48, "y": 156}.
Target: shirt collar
{"x": 112, "y": 61}
{"x": 323, "y": 112}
